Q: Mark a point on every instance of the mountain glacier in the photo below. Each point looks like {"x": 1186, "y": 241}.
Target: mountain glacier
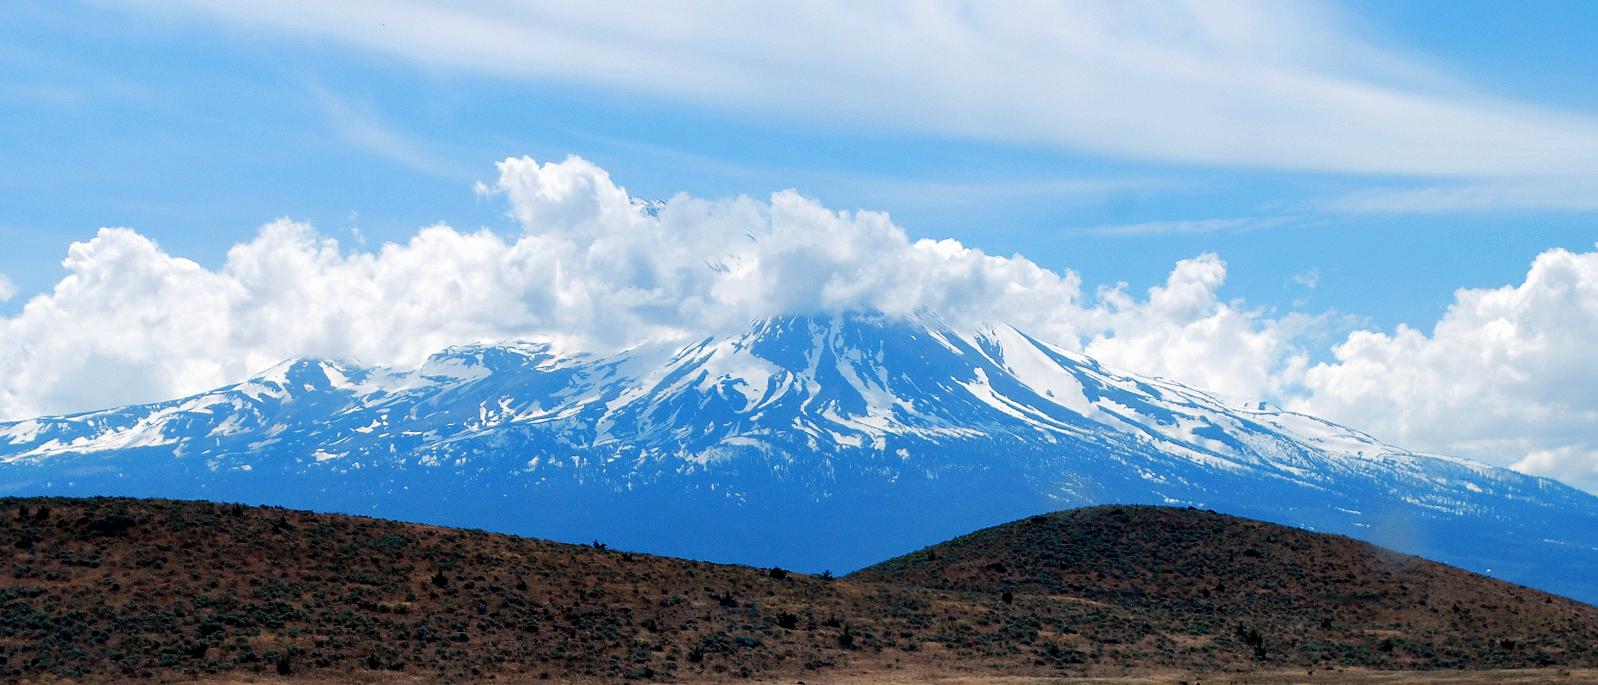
{"x": 808, "y": 442}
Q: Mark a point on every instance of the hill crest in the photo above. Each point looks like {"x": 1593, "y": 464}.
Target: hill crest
{"x": 1188, "y": 566}
{"x": 111, "y": 589}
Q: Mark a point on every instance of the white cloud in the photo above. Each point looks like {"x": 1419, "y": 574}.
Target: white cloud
{"x": 594, "y": 269}
{"x": 8, "y": 289}
{"x": 1309, "y": 278}
{"x": 1507, "y": 375}
{"x": 1253, "y": 83}
{"x": 1574, "y": 465}
{"x": 1184, "y": 331}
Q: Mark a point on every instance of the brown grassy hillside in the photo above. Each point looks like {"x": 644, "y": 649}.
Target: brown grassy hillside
{"x": 116, "y": 590}
{"x": 1287, "y": 593}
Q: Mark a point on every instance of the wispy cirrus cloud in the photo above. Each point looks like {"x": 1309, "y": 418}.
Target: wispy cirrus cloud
{"x": 38, "y": 80}
{"x": 359, "y": 124}
{"x": 1534, "y": 193}
{"x": 1189, "y": 227}
{"x": 1241, "y": 83}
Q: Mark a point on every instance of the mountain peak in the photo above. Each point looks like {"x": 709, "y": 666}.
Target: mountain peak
{"x": 477, "y": 360}
{"x": 827, "y": 416}
{"x": 312, "y": 374}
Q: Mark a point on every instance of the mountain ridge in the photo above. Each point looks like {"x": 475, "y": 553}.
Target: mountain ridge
{"x": 882, "y": 434}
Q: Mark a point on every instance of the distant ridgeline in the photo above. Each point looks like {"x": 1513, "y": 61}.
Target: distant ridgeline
{"x": 806, "y": 442}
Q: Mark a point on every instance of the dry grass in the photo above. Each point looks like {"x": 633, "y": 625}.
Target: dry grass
{"x": 1312, "y": 598}
{"x": 115, "y": 590}
{"x": 1549, "y": 676}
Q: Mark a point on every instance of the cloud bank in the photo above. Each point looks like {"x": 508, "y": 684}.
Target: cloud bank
{"x": 1505, "y": 376}
{"x": 594, "y": 269}
{"x": 1508, "y": 374}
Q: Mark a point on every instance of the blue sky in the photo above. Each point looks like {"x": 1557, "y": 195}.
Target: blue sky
{"x": 196, "y": 132}
{"x": 1358, "y": 162}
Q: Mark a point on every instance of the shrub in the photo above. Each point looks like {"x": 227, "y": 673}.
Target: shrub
{"x": 112, "y": 525}
{"x": 1253, "y": 638}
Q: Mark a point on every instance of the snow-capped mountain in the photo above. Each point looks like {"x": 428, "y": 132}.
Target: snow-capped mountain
{"x": 808, "y": 442}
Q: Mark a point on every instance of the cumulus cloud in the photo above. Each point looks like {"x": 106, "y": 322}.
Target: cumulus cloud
{"x": 1577, "y": 465}
{"x": 1185, "y": 332}
{"x": 8, "y": 289}
{"x": 593, "y": 269}
{"x": 1507, "y": 374}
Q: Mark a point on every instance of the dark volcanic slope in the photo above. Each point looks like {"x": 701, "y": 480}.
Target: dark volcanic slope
{"x": 111, "y": 589}
{"x": 1310, "y": 596}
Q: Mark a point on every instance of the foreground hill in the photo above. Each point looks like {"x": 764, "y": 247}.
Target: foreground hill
{"x": 882, "y": 434}
{"x": 1307, "y": 596}
{"x": 114, "y": 589}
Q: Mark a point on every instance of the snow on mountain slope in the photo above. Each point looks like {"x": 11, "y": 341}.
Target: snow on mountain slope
{"x": 807, "y": 441}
